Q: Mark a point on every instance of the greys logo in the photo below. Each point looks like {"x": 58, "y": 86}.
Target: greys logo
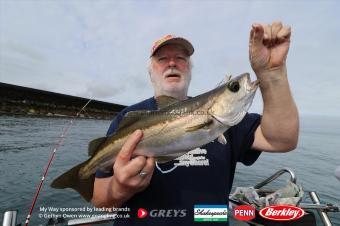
{"x": 167, "y": 213}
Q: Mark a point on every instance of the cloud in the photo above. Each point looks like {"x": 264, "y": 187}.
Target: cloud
{"x": 101, "y": 90}
{"x": 100, "y": 48}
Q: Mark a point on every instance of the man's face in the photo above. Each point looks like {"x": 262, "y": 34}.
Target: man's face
{"x": 170, "y": 71}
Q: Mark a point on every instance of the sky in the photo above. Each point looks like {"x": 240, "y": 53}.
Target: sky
{"x": 100, "y": 49}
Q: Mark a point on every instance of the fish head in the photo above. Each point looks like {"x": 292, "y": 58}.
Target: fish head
{"x": 233, "y": 100}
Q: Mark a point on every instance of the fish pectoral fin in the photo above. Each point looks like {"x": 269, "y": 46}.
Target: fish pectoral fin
{"x": 221, "y": 139}
{"x": 204, "y": 125}
{"x": 164, "y": 101}
{"x": 94, "y": 145}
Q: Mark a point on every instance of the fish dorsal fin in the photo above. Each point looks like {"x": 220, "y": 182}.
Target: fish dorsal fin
{"x": 132, "y": 117}
{"x": 94, "y": 145}
{"x": 164, "y": 101}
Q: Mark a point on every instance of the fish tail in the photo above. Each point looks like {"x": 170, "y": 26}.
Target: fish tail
{"x": 71, "y": 179}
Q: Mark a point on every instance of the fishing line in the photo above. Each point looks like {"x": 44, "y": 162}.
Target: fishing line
{"x": 224, "y": 81}
{"x": 165, "y": 171}
{"x": 57, "y": 145}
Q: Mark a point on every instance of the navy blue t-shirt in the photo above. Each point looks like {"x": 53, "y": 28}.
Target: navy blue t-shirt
{"x": 204, "y": 176}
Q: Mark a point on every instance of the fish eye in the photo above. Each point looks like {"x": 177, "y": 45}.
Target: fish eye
{"x": 234, "y": 86}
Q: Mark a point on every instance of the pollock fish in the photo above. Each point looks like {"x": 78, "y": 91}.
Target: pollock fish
{"x": 169, "y": 132}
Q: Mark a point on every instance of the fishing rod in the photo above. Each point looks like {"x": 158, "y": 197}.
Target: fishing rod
{"x": 57, "y": 145}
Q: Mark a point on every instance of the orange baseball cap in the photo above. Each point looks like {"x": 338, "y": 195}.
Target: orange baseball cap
{"x": 172, "y": 39}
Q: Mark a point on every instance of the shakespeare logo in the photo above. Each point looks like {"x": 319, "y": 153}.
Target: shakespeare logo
{"x": 204, "y": 213}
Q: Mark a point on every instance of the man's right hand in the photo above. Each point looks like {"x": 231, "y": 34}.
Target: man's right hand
{"x": 130, "y": 176}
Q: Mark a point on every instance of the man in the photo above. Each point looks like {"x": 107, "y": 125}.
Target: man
{"x": 136, "y": 184}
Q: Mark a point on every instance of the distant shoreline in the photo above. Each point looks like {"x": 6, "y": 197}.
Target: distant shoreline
{"x": 19, "y": 100}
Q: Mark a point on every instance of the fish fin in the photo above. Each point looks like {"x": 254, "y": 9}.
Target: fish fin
{"x": 164, "y": 101}
{"x": 204, "y": 125}
{"x": 134, "y": 116}
{"x": 94, "y": 145}
{"x": 227, "y": 78}
{"x": 164, "y": 159}
{"x": 71, "y": 179}
{"x": 106, "y": 169}
{"x": 131, "y": 117}
{"x": 168, "y": 158}
{"x": 221, "y": 139}
{"x": 224, "y": 81}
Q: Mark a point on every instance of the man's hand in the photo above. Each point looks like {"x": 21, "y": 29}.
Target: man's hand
{"x": 268, "y": 48}
{"x": 128, "y": 178}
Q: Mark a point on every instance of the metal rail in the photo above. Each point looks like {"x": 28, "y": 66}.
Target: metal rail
{"x": 275, "y": 176}
{"x": 10, "y": 218}
{"x": 323, "y": 207}
{"x": 323, "y": 215}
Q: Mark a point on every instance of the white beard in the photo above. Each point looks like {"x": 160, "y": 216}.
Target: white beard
{"x": 178, "y": 90}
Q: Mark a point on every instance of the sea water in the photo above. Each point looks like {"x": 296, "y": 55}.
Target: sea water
{"x": 26, "y": 144}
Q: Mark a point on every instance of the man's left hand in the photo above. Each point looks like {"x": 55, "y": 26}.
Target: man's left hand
{"x": 268, "y": 47}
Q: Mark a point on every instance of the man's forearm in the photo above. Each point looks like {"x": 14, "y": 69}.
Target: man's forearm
{"x": 280, "y": 121}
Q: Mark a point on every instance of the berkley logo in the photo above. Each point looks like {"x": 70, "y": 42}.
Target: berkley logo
{"x": 244, "y": 212}
{"x": 282, "y": 213}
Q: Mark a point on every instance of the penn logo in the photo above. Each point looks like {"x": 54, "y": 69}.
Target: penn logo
{"x": 142, "y": 213}
{"x": 282, "y": 213}
{"x": 244, "y": 212}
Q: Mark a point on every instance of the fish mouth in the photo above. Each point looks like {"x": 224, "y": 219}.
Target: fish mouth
{"x": 251, "y": 85}
{"x": 254, "y": 83}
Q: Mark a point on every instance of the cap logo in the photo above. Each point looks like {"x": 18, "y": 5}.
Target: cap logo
{"x": 160, "y": 41}
{"x": 172, "y": 39}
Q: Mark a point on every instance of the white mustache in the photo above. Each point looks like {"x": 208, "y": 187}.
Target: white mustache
{"x": 172, "y": 71}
